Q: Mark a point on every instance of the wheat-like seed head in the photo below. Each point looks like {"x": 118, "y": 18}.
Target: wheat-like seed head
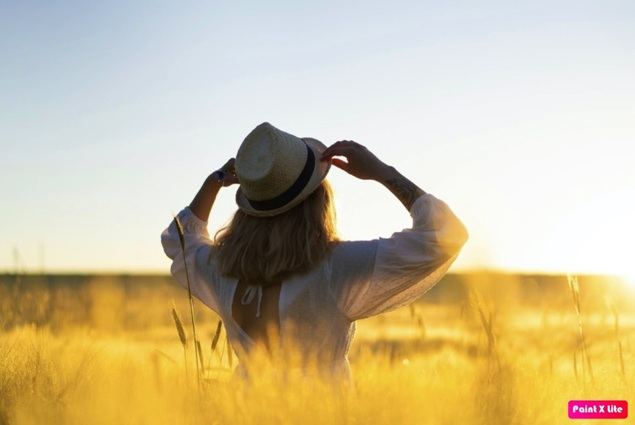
{"x": 179, "y": 327}
{"x": 199, "y": 350}
{"x": 575, "y": 291}
{"x": 216, "y": 335}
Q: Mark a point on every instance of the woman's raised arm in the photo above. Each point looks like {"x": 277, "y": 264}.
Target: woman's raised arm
{"x": 372, "y": 277}
{"x": 363, "y": 164}
{"x": 190, "y": 250}
{"x": 202, "y": 203}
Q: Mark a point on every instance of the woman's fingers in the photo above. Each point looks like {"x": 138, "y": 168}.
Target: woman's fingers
{"x": 327, "y": 151}
{"x": 228, "y": 173}
{"x": 229, "y": 165}
{"x": 337, "y": 150}
{"x": 336, "y": 146}
{"x": 340, "y": 163}
{"x": 230, "y": 179}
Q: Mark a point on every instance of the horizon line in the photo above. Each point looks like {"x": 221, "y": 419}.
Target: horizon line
{"x": 161, "y": 272}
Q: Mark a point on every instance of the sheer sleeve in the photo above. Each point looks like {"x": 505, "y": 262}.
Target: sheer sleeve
{"x": 372, "y": 277}
{"x": 197, "y": 255}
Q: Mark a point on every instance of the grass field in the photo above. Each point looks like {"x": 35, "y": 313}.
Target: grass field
{"x": 478, "y": 349}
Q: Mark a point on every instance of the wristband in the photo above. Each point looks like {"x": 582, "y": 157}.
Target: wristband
{"x": 219, "y": 175}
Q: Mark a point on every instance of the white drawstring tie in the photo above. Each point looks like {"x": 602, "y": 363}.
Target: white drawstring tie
{"x": 250, "y": 293}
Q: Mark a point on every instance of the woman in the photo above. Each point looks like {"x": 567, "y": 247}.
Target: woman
{"x": 277, "y": 275}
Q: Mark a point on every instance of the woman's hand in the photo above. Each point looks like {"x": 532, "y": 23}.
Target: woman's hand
{"x": 202, "y": 203}
{"x": 226, "y": 175}
{"x": 360, "y": 162}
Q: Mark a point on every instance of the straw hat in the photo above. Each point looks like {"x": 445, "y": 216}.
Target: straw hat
{"x": 277, "y": 170}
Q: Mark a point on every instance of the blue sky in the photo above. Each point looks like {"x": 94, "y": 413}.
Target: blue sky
{"x": 519, "y": 114}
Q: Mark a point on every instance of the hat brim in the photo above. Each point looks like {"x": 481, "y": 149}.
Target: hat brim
{"x": 320, "y": 171}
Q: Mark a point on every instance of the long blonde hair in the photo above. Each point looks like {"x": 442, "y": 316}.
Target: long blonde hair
{"x": 264, "y": 250}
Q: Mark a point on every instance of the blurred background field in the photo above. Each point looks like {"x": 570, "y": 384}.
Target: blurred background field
{"x": 478, "y": 348}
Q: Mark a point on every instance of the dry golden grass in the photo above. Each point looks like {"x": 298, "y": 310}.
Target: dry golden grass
{"x": 482, "y": 361}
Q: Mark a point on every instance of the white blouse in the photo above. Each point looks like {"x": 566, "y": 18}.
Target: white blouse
{"x": 358, "y": 279}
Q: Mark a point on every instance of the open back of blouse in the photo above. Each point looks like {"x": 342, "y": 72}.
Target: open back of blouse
{"x": 317, "y": 310}
{"x": 255, "y": 309}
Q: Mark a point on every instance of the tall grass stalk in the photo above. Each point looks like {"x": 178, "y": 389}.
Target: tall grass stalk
{"x": 182, "y": 336}
{"x": 219, "y": 325}
{"x": 199, "y": 351}
{"x": 230, "y": 354}
{"x": 417, "y": 317}
{"x": 574, "y": 287}
{"x": 486, "y": 318}
{"x": 215, "y": 338}
{"x": 179, "y": 229}
{"x": 616, "y": 329}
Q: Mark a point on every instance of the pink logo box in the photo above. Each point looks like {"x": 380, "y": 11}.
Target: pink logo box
{"x": 598, "y": 409}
